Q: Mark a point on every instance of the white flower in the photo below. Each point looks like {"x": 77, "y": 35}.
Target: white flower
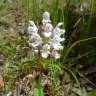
{"x": 46, "y": 47}
{"x": 57, "y": 46}
{"x": 45, "y": 54}
{"x": 55, "y": 42}
{"x": 46, "y": 17}
{"x": 58, "y": 38}
{"x": 32, "y": 28}
{"x": 52, "y": 36}
{"x": 55, "y": 54}
{"x": 47, "y": 34}
{"x": 57, "y": 30}
{"x": 48, "y": 30}
{"x": 35, "y": 40}
{"x": 48, "y": 27}
{"x": 45, "y": 51}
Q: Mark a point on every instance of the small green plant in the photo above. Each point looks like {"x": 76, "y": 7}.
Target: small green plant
{"x": 45, "y": 42}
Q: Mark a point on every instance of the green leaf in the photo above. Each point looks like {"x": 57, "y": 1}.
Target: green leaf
{"x": 38, "y": 91}
{"x": 92, "y": 93}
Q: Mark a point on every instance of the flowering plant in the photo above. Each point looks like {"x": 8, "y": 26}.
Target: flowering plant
{"x": 48, "y": 42}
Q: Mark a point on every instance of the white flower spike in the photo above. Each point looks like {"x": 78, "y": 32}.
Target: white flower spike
{"x": 49, "y": 42}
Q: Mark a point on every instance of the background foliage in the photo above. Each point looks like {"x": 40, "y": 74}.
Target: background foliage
{"x": 77, "y": 65}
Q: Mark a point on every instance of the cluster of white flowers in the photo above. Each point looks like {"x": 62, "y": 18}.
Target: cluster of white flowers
{"x": 48, "y": 43}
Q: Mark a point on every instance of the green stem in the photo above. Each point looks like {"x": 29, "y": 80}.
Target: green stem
{"x": 66, "y": 54}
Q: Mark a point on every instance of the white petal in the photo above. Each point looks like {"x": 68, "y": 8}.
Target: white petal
{"x": 62, "y": 39}
{"x": 57, "y": 38}
{"x": 47, "y": 34}
{"x": 46, "y": 47}
{"x": 54, "y": 43}
{"x": 57, "y": 46}
{"x": 63, "y": 31}
{"x": 46, "y": 18}
{"x": 35, "y": 40}
{"x": 45, "y": 54}
{"x": 31, "y": 23}
{"x": 45, "y": 21}
{"x": 31, "y": 44}
{"x": 46, "y": 15}
{"x": 34, "y": 44}
{"x": 32, "y": 30}
{"x": 48, "y": 27}
{"x": 58, "y": 31}
{"x": 59, "y": 24}
{"x": 35, "y": 37}
{"x": 55, "y": 54}
{"x": 45, "y": 51}
{"x": 61, "y": 47}
{"x": 38, "y": 43}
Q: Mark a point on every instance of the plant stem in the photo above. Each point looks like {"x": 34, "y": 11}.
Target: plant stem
{"x": 66, "y": 54}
